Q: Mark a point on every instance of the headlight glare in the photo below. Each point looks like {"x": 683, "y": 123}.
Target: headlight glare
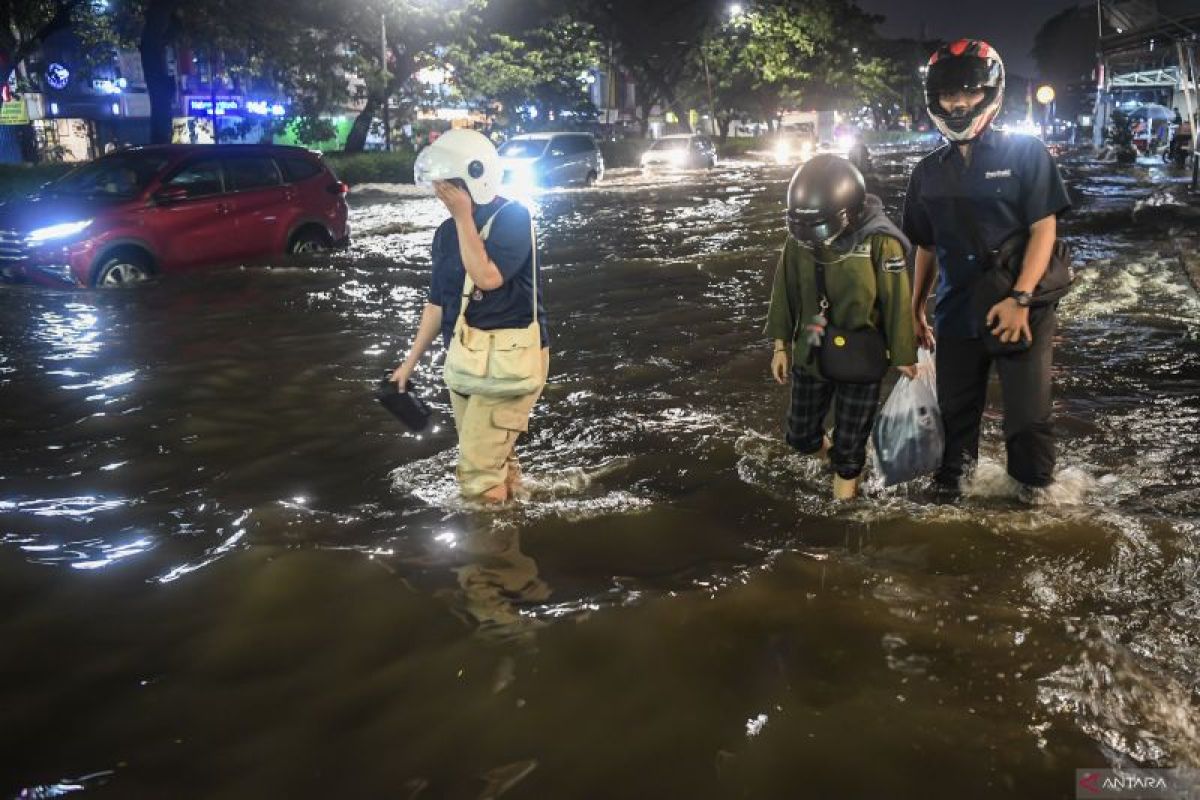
{"x": 59, "y": 231}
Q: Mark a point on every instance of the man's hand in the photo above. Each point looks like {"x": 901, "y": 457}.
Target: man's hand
{"x": 400, "y": 377}
{"x": 456, "y": 200}
{"x": 1009, "y": 321}
{"x": 781, "y": 365}
{"x": 924, "y": 333}
{"x": 909, "y": 371}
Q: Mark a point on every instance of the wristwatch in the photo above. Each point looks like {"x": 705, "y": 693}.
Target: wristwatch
{"x": 1023, "y": 298}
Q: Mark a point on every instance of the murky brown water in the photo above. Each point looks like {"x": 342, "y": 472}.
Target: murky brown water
{"x": 224, "y": 572}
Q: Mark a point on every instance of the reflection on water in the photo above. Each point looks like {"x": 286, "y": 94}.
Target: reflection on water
{"x": 217, "y": 554}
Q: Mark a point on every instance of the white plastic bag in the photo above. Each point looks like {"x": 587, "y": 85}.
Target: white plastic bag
{"x": 908, "y": 436}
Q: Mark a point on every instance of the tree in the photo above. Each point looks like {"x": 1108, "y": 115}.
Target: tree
{"x": 541, "y": 67}
{"x": 655, "y": 40}
{"x": 777, "y": 53}
{"x": 1064, "y": 49}
{"x": 26, "y": 24}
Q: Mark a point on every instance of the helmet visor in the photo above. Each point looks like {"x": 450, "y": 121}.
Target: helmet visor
{"x": 956, "y": 74}
{"x": 808, "y": 225}
{"x": 435, "y": 164}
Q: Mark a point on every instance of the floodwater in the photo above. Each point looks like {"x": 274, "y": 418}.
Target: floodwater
{"x": 225, "y": 572}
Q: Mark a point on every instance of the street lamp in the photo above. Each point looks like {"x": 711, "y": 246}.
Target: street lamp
{"x": 735, "y": 9}
{"x": 1045, "y": 96}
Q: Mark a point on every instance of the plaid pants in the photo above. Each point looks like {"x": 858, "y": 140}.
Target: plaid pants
{"x": 854, "y": 414}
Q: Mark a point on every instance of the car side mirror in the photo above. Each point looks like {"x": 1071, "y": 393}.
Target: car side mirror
{"x": 172, "y": 194}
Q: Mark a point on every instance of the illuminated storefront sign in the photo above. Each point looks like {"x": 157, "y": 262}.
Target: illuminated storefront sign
{"x": 233, "y": 106}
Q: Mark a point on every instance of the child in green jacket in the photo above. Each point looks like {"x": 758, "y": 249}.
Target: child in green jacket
{"x": 863, "y": 255}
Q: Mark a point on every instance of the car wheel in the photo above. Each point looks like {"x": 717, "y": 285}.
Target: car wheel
{"x": 123, "y": 269}
{"x": 307, "y": 242}
{"x": 591, "y": 179}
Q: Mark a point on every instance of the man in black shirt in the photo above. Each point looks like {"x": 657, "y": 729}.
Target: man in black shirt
{"x": 972, "y": 194}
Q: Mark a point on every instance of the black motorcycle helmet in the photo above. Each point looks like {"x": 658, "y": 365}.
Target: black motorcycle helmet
{"x": 826, "y": 196}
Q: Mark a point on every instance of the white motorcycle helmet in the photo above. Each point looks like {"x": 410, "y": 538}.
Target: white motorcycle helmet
{"x": 467, "y": 155}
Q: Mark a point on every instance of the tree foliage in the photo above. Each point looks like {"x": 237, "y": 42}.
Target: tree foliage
{"x": 542, "y": 68}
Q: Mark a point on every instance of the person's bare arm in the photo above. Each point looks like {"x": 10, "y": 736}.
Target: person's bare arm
{"x": 427, "y": 331}
{"x": 483, "y": 271}
{"x": 925, "y": 272}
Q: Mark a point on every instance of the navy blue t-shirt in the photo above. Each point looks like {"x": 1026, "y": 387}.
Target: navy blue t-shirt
{"x": 510, "y": 247}
{"x": 1011, "y": 183}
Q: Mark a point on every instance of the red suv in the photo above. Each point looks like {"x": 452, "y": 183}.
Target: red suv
{"x": 169, "y": 208}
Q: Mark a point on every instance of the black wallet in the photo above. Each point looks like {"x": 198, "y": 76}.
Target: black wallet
{"x": 404, "y": 406}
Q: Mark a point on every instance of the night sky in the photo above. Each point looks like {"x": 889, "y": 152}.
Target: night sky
{"x": 1008, "y": 25}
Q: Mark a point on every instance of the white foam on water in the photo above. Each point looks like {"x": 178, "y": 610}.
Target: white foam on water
{"x": 1108, "y": 287}
{"x": 1135, "y": 711}
{"x": 567, "y": 492}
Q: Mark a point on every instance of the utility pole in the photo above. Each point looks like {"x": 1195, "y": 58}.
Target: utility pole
{"x": 383, "y": 59}
{"x": 1188, "y": 81}
{"x": 212, "y": 95}
{"x": 712, "y": 111}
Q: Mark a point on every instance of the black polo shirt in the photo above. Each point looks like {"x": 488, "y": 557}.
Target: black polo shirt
{"x": 1011, "y": 183}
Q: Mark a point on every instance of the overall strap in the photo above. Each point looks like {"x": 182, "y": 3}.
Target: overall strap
{"x": 533, "y": 255}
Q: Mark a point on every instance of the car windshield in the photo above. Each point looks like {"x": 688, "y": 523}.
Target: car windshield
{"x": 112, "y": 176}
{"x": 523, "y": 148}
{"x": 671, "y": 144}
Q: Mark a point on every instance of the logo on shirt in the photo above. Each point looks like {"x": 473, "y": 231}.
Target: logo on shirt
{"x": 893, "y": 265}
{"x": 999, "y": 173}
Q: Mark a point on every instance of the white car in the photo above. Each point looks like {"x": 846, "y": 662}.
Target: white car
{"x": 551, "y": 159}
{"x": 680, "y": 151}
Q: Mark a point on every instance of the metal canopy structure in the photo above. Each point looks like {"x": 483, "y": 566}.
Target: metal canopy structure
{"x": 1166, "y": 78}
{"x": 1150, "y": 44}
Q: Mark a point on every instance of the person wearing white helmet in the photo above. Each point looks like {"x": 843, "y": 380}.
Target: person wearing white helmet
{"x": 486, "y": 246}
{"x": 983, "y": 196}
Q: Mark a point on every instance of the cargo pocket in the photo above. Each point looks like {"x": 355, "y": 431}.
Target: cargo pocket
{"x": 511, "y": 419}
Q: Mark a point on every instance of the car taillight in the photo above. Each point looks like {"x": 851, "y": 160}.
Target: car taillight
{"x": 339, "y": 188}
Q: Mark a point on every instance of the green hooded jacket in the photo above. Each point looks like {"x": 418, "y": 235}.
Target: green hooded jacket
{"x": 868, "y": 287}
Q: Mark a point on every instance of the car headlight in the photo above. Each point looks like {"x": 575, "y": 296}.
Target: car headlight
{"x": 60, "y": 231}
{"x": 783, "y": 153}
{"x": 679, "y": 158}
{"x": 806, "y": 151}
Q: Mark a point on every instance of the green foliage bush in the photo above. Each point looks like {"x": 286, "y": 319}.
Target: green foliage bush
{"x": 374, "y": 167}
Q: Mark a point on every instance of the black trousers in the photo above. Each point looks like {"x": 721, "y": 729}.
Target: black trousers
{"x": 963, "y": 366}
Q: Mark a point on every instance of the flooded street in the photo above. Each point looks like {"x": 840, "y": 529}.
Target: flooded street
{"x": 226, "y": 572}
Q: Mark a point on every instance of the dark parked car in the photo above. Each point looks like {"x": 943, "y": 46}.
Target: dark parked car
{"x": 169, "y": 208}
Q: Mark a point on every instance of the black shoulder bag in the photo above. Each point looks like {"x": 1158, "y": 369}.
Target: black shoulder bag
{"x": 847, "y": 356}
{"x": 1002, "y": 267}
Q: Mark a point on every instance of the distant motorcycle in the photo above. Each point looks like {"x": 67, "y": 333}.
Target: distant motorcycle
{"x": 1180, "y": 148}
